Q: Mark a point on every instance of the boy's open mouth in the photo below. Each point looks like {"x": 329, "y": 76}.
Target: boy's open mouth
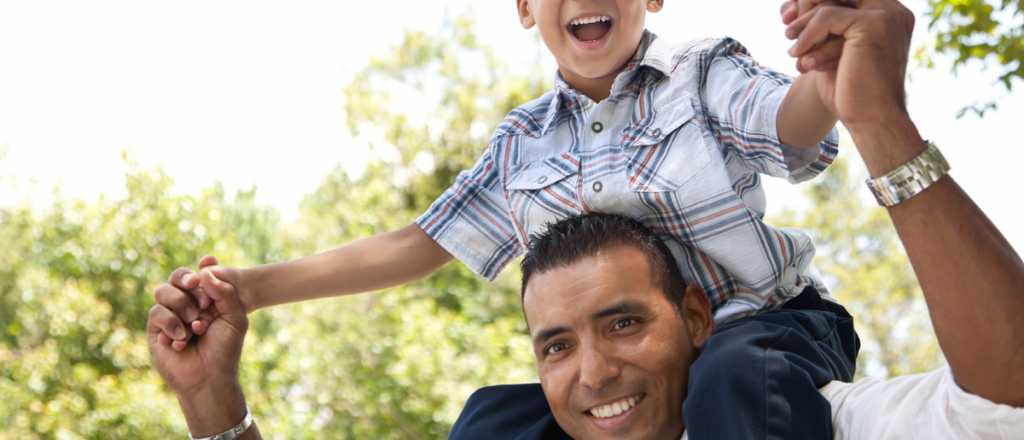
{"x": 590, "y": 28}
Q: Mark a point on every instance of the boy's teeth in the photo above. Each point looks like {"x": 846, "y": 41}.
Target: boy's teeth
{"x": 589, "y": 20}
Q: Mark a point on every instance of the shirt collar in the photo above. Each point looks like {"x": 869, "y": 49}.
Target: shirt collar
{"x": 652, "y": 52}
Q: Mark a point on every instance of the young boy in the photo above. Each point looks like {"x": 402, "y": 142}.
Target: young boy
{"x": 675, "y": 137}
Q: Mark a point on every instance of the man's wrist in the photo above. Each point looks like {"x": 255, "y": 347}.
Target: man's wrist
{"x": 887, "y": 144}
{"x": 213, "y": 409}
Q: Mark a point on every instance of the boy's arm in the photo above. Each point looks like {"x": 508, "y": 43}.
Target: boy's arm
{"x": 372, "y": 263}
{"x": 377, "y": 262}
{"x": 804, "y": 120}
{"x": 750, "y": 109}
{"x": 805, "y": 116}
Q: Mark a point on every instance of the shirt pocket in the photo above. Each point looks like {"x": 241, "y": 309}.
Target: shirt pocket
{"x": 665, "y": 151}
{"x": 544, "y": 191}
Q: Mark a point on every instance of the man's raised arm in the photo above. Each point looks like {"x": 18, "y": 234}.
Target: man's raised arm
{"x": 203, "y": 374}
{"x": 972, "y": 279}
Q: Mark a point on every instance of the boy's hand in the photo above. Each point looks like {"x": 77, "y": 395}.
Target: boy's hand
{"x": 189, "y": 299}
{"x": 821, "y": 68}
{"x": 868, "y": 42}
{"x": 826, "y": 57}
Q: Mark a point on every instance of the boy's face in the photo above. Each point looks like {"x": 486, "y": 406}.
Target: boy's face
{"x": 591, "y": 40}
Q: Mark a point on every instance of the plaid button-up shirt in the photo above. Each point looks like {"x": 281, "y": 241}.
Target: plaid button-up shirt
{"x": 680, "y": 145}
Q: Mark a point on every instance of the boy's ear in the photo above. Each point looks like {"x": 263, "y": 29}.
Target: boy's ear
{"x": 697, "y": 315}
{"x": 655, "y": 5}
{"x": 525, "y": 16}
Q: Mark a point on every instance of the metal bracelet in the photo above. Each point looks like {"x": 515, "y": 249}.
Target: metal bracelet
{"x": 911, "y": 178}
{"x": 232, "y": 433}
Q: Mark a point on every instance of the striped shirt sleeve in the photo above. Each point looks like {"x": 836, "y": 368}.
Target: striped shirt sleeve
{"x": 470, "y": 220}
{"x": 742, "y": 100}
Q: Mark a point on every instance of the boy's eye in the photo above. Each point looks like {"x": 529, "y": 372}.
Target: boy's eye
{"x": 623, "y": 323}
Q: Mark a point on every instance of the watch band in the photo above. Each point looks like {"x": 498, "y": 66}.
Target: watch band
{"x": 911, "y": 178}
{"x": 232, "y": 433}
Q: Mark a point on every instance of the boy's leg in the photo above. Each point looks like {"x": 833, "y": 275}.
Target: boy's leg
{"x": 758, "y": 377}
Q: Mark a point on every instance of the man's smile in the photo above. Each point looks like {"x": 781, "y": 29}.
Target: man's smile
{"x": 615, "y": 413}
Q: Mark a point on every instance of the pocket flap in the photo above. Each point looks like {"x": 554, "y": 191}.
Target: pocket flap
{"x": 545, "y": 172}
{"x": 671, "y": 114}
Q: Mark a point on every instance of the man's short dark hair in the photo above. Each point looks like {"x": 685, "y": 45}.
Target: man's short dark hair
{"x": 575, "y": 238}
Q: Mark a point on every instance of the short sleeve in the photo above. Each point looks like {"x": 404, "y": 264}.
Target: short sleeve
{"x": 470, "y": 220}
{"x": 929, "y": 405}
{"x": 742, "y": 101}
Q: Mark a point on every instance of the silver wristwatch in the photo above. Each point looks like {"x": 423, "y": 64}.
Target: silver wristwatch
{"x": 232, "y": 433}
{"x": 911, "y": 178}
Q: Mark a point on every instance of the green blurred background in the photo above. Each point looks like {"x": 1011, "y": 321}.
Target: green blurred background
{"x": 76, "y": 277}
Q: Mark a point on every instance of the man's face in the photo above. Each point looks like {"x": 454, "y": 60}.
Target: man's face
{"x": 589, "y": 39}
{"x": 613, "y": 353}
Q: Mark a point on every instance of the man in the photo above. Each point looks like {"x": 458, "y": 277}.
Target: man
{"x": 618, "y": 336}
{"x": 969, "y": 274}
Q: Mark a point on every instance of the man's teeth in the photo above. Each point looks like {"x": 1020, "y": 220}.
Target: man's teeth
{"x": 615, "y": 408}
{"x": 589, "y": 20}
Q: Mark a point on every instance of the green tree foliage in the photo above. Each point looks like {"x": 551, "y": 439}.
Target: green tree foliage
{"x": 75, "y": 288}
{"x": 862, "y": 259}
{"x": 981, "y": 30}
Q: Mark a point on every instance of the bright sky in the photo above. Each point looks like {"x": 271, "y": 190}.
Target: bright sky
{"x": 249, "y": 92}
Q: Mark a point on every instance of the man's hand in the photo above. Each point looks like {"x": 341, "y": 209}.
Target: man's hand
{"x": 863, "y": 50}
{"x": 193, "y": 306}
{"x": 210, "y": 359}
{"x": 203, "y": 372}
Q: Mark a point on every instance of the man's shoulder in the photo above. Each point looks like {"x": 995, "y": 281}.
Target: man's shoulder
{"x": 519, "y": 412}
{"x": 527, "y": 119}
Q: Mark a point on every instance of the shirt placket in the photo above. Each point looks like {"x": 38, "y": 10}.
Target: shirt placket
{"x": 594, "y": 134}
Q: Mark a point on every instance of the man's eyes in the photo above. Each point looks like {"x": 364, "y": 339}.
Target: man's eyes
{"x": 555, "y": 348}
{"x": 623, "y": 323}
{"x": 619, "y": 324}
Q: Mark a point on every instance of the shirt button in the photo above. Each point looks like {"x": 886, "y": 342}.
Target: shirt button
{"x": 656, "y": 133}
{"x": 598, "y": 186}
{"x": 542, "y": 179}
{"x": 597, "y": 127}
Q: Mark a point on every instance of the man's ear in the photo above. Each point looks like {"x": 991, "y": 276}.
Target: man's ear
{"x": 697, "y": 315}
{"x": 655, "y": 5}
{"x": 525, "y": 15}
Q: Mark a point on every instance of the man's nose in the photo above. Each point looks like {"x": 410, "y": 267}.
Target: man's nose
{"x": 597, "y": 369}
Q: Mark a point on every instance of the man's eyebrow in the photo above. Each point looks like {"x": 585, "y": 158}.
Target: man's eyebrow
{"x": 622, "y": 308}
{"x": 548, "y": 333}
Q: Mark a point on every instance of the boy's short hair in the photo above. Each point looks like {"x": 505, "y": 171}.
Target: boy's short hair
{"x": 574, "y": 238}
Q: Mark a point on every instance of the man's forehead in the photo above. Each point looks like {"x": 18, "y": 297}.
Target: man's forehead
{"x": 587, "y": 285}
